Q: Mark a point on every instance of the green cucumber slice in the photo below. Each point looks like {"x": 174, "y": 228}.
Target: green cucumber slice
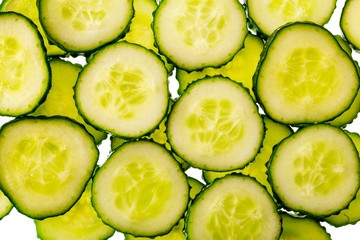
{"x": 24, "y": 70}
{"x": 79, "y": 223}
{"x": 268, "y": 15}
{"x": 84, "y": 26}
{"x": 195, "y": 34}
{"x": 29, "y": 9}
{"x": 310, "y": 80}
{"x": 5, "y": 205}
{"x": 215, "y": 125}
{"x": 322, "y": 170}
{"x": 300, "y": 228}
{"x": 45, "y": 164}
{"x": 140, "y": 190}
{"x": 240, "y": 69}
{"x": 63, "y": 78}
{"x": 122, "y": 86}
{"x": 195, "y": 187}
{"x": 348, "y": 22}
{"x": 243, "y": 210}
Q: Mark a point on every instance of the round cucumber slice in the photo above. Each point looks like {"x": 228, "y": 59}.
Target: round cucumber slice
{"x": 215, "y": 125}
{"x": 24, "y": 70}
{"x": 243, "y": 210}
{"x": 140, "y": 190}
{"x": 45, "y": 164}
{"x": 349, "y": 22}
{"x": 322, "y": 170}
{"x": 196, "y": 34}
{"x": 122, "y": 86}
{"x": 304, "y": 76}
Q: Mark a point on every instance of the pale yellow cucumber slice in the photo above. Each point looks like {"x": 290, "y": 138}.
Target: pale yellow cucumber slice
{"x": 140, "y": 190}
{"x": 45, "y": 164}
{"x": 5, "y": 205}
{"x": 349, "y": 22}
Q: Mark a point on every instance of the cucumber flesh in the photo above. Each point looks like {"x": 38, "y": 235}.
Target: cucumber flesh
{"x": 5, "y": 205}
{"x": 348, "y": 22}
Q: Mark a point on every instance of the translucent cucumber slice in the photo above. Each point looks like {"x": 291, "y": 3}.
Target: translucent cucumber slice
{"x": 140, "y": 190}
{"x": 322, "y": 170}
{"x": 310, "y": 80}
{"x": 215, "y": 125}
{"x": 5, "y": 205}
{"x": 79, "y": 223}
{"x": 243, "y": 210}
{"x": 82, "y": 25}
{"x": 60, "y": 99}
{"x": 348, "y": 22}
{"x": 240, "y": 69}
{"x": 45, "y": 164}
{"x": 24, "y": 71}
{"x": 296, "y": 228}
{"x": 275, "y": 132}
{"x": 195, "y": 34}
{"x": 29, "y": 9}
{"x": 124, "y": 85}
{"x": 268, "y": 15}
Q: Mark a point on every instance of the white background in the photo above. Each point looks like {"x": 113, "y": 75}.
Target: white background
{"x": 16, "y": 226}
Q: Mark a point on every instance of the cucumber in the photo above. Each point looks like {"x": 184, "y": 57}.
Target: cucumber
{"x": 310, "y": 80}
{"x": 140, "y": 190}
{"x": 60, "y": 99}
{"x": 45, "y": 164}
{"x": 243, "y": 210}
{"x": 267, "y": 15}
{"x": 24, "y": 70}
{"x": 351, "y": 214}
{"x": 5, "y": 205}
{"x": 79, "y": 223}
{"x": 197, "y": 34}
{"x": 300, "y": 228}
{"x": 29, "y": 9}
{"x": 84, "y": 26}
{"x": 215, "y": 125}
{"x": 123, "y": 85}
{"x": 275, "y": 132}
{"x": 240, "y": 69}
{"x": 348, "y": 23}
{"x": 322, "y": 170}
{"x": 195, "y": 188}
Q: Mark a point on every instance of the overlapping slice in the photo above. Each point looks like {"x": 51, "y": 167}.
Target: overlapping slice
{"x": 215, "y": 125}
{"x": 5, "y": 205}
{"x": 349, "y": 22}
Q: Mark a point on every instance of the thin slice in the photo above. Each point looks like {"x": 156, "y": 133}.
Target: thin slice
{"x": 45, "y": 164}
{"x": 140, "y": 190}
{"x": 243, "y": 210}
{"x": 215, "y": 125}
{"x": 349, "y": 22}
{"x": 322, "y": 170}
{"x": 5, "y": 205}
{"x": 123, "y": 90}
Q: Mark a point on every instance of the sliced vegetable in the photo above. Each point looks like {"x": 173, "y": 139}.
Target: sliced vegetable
{"x": 5, "y": 205}
{"x": 348, "y": 22}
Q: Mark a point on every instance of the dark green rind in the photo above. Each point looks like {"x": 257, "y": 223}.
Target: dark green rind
{"x": 87, "y": 51}
{"x": 41, "y": 98}
{"x": 180, "y": 65}
{"x": 105, "y": 164}
{"x": 347, "y": 37}
{"x": 54, "y": 118}
{"x": 277, "y": 197}
{"x": 192, "y": 85}
{"x": 208, "y": 188}
{"x": 262, "y": 59}
{"x": 102, "y": 128}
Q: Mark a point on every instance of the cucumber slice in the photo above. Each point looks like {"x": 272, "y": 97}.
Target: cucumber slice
{"x": 140, "y": 190}
{"x": 79, "y": 223}
{"x": 195, "y": 34}
{"x": 41, "y": 171}
{"x": 296, "y": 228}
{"x": 310, "y": 80}
{"x": 275, "y": 132}
{"x": 195, "y": 187}
{"x": 322, "y": 170}
{"x": 60, "y": 99}
{"x": 215, "y": 125}
{"x": 123, "y": 85}
{"x": 240, "y": 69}
{"x": 5, "y": 205}
{"x": 243, "y": 210}
{"x": 348, "y": 22}
{"x": 29, "y": 9}
{"x": 351, "y": 214}
{"x": 84, "y": 26}
{"x": 268, "y": 15}
{"x": 24, "y": 71}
